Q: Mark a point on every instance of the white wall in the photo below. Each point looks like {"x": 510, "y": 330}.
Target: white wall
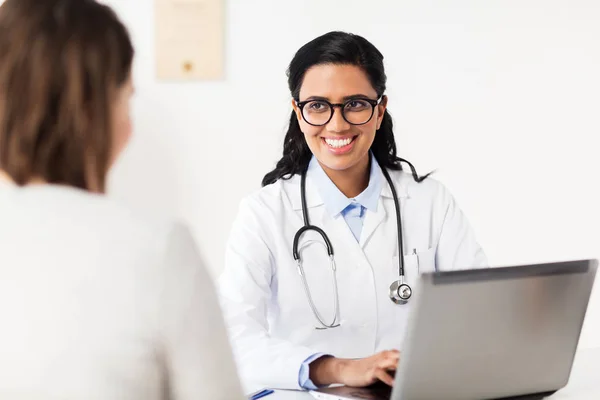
{"x": 502, "y": 97}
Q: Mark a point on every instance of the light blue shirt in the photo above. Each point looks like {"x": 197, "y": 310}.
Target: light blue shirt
{"x": 353, "y": 211}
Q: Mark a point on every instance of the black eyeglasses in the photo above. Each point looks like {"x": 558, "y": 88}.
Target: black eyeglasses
{"x": 357, "y": 111}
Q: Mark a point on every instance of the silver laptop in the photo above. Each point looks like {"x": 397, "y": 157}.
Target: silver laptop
{"x": 489, "y": 334}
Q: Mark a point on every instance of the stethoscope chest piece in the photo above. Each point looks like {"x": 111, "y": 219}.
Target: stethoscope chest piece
{"x": 400, "y": 292}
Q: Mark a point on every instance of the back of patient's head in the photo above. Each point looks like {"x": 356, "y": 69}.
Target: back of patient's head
{"x": 63, "y": 64}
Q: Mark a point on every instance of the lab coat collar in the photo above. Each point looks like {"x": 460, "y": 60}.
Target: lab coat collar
{"x": 314, "y": 199}
{"x": 335, "y": 201}
{"x": 399, "y": 178}
{"x": 292, "y": 187}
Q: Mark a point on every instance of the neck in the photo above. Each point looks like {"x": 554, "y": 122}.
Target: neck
{"x": 352, "y": 181}
{"x": 4, "y": 177}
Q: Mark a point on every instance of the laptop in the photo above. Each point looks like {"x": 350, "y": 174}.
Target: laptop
{"x": 493, "y": 333}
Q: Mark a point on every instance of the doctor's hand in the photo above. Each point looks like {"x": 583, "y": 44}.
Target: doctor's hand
{"x": 358, "y": 372}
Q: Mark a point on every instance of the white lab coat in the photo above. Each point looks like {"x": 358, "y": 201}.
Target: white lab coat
{"x": 272, "y": 326}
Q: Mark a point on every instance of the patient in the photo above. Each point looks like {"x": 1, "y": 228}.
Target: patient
{"x": 94, "y": 302}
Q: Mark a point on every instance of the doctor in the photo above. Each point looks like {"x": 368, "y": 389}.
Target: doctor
{"x": 315, "y": 313}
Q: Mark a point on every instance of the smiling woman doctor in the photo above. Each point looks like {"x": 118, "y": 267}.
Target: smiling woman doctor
{"x": 313, "y": 290}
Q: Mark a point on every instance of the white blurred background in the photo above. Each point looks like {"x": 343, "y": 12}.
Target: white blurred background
{"x": 502, "y": 97}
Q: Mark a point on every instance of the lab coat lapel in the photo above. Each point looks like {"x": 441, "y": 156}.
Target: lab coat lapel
{"x": 341, "y": 237}
{"x": 374, "y": 219}
{"x": 336, "y": 227}
{"x": 344, "y": 243}
{"x": 372, "y": 222}
{"x": 313, "y": 199}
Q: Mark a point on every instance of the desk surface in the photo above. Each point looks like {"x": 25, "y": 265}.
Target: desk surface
{"x": 584, "y": 383}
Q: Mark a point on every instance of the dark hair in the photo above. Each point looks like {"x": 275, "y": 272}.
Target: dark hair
{"x": 345, "y": 49}
{"x": 61, "y": 65}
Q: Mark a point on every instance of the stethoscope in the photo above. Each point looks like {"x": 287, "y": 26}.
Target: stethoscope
{"x": 400, "y": 292}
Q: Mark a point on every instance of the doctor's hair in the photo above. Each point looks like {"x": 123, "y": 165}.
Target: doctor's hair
{"x": 62, "y": 63}
{"x": 339, "y": 48}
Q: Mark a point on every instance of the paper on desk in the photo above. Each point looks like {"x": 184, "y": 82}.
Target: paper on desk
{"x": 189, "y": 39}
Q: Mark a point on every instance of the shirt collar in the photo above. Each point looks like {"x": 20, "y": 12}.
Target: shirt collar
{"x": 369, "y": 198}
{"x": 335, "y": 201}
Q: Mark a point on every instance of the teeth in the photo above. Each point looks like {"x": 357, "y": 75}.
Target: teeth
{"x": 336, "y": 143}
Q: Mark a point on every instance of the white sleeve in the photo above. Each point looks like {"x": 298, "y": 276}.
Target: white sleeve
{"x": 457, "y": 245}
{"x": 245, "y": 289}
{"x": 195, "y": 347}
